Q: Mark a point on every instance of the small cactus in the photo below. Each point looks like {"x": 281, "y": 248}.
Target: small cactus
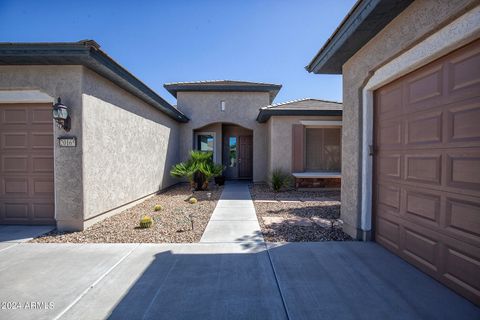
{"x": 157, "y": 207}
{"x": 193, "y": 200}
{"x": 146, "y": 222}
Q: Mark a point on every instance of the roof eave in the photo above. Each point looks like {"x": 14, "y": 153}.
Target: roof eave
{"x": 87, "y": 54}
{"x": 265, "y": 114}
{"x": 271, "y": 89}
{"x": 362, "y": 23}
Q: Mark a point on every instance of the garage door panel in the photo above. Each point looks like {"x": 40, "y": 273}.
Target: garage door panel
{"x": 15, "y": 187}
{"x": 12, "y": 116}
{"x": 463, "y": 169}
{"x": 390, "y": 101}
{"x": 15, "y": 211}
{"x": 424, "y": 168}
{"x": 390, "y": 135}
{"x": 27, "y": 164}
{"x": 42, "y": 164}
{"x": 42, "y": 186}
{"x": 424, "y": 129}
{"x": 462, "y": 217}
{"x": 462, "y": 74}
{"x": 389, "y": 196}
{"x": 41, "y": 116}
{"x": 43, "y": 211}
{"x": 463, "y": 123}
{"x": 388, "y": 233}
{"x": 461, "y": 269}
{"x": 423, "y": 89}
{"x": 390, "y": 165}
{"x": 423, "y": 206}
{"x": 430, "y": 215}
{"x": 14, "y": 140}
{"x": 421, "y": 248}
{"x": 14, "y": 164}
{"x": 40, "y": 140}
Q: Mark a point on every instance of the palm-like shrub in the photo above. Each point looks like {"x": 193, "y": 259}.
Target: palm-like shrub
{"x": 279, "y": 179}
{"x": 198, "y": 169}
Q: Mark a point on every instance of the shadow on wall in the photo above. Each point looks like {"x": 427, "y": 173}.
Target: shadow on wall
{"x": 350, "y": 280}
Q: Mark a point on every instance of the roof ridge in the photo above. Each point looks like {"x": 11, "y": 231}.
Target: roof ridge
{"x": 217, "y": 81}
{"x": 273, "y": 105}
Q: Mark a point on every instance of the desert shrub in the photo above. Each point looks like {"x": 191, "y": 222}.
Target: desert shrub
{"x": 198, "y": 169}
{"x": 157, "y": 207}
{"x": 192, "y": 200}
{"x": 279, "y": 179}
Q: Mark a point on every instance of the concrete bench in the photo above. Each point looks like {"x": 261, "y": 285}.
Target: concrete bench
{"x": 321, "y": 180}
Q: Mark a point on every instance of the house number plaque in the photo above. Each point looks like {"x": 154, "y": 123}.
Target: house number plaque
{"x": 67, "y": 142}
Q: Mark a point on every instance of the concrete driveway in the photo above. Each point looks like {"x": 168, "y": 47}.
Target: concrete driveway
{"x": 334, "y": 280}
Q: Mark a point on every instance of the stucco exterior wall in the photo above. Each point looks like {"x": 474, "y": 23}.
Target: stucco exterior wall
{"x": 421, "y": 19}
{"x": 280, "y": 144}
{"x": 242, "y": 108}
{"x": 64, "y": 82}
{"x": 129, "y": 147}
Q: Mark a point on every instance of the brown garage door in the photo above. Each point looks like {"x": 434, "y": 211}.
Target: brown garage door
{"x": 427, "y": 169}
{"x": 26, "y": 172}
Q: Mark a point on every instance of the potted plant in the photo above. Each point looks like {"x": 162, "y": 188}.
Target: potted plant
{"x": 220, "y": 180}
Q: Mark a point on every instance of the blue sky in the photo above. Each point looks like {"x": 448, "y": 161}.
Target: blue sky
{"x": 168, "y": 41}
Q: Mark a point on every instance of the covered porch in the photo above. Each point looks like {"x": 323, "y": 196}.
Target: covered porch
{"x": 231, "y": 145}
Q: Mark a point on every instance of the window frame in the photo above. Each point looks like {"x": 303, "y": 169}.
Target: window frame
{"x": 207, "y": 133}
{"x": 320, "y": 125}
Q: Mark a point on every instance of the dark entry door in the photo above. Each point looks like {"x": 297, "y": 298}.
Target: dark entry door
{"x": 245, "y": 158}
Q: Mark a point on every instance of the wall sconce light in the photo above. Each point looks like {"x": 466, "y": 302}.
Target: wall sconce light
{"x": 60, "y": 115}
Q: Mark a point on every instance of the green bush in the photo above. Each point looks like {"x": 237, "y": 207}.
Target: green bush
{"x": 198, "y": 169}
{"x": 279, "y": 179}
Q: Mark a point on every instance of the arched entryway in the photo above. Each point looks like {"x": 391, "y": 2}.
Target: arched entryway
{"x": 232, "y": 146}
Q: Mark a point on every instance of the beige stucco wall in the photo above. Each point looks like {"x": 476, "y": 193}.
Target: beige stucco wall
{"x": 419, "y": 20}
{"x": 129, "y": 146}
{"x": 242, "y": 108}
{"x": 64, "y": 82}
{"x": 280, "y": 144}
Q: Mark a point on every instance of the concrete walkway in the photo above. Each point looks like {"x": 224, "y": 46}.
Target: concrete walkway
{"x": 234, "y": 218}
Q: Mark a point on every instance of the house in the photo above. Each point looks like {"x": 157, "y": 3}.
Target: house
{"x": 120, "y": 139}
{"x": 411, "y": 139}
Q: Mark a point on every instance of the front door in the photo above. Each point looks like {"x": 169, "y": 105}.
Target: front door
{"x": 245, "y": 158}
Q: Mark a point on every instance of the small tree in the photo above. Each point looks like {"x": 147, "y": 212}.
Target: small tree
{"x": 198, "y": 169}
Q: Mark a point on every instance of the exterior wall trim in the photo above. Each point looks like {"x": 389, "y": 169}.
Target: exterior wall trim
{"x": 453, "y": 36}
{"x": 321, "y": 123}
{"x": 25, "y": 96}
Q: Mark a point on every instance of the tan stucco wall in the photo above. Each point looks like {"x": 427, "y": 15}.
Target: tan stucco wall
{"x": 419, "y": 20}
{"x": 280, "y": 141}
{"x": 129, "y": 146}
{"x": 64, "y": 82}
{"x": 242, "y": 108}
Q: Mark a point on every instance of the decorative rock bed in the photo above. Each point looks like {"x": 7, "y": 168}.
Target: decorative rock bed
{"x": 172, "y": 223}
{"x": 297, "y": 216}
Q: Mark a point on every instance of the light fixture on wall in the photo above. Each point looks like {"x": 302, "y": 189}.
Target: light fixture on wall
{"x": 60, "y": 114}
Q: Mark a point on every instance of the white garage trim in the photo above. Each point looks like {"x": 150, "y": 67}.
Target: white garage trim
{"x": 322, "y": 123}
{"x": 24, "y": 96}
{"x": 455, "y": 35}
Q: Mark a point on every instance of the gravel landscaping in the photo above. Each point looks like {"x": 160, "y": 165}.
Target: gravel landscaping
{"x": 297, "y": 216}
{"x": 170, "y": 224}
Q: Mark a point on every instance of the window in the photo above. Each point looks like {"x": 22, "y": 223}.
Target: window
{"x": 205, "y": 142}
{"x": 323, "y": 149}
{"x": 222, "y": 105}
{"x": 232, "y": 156}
